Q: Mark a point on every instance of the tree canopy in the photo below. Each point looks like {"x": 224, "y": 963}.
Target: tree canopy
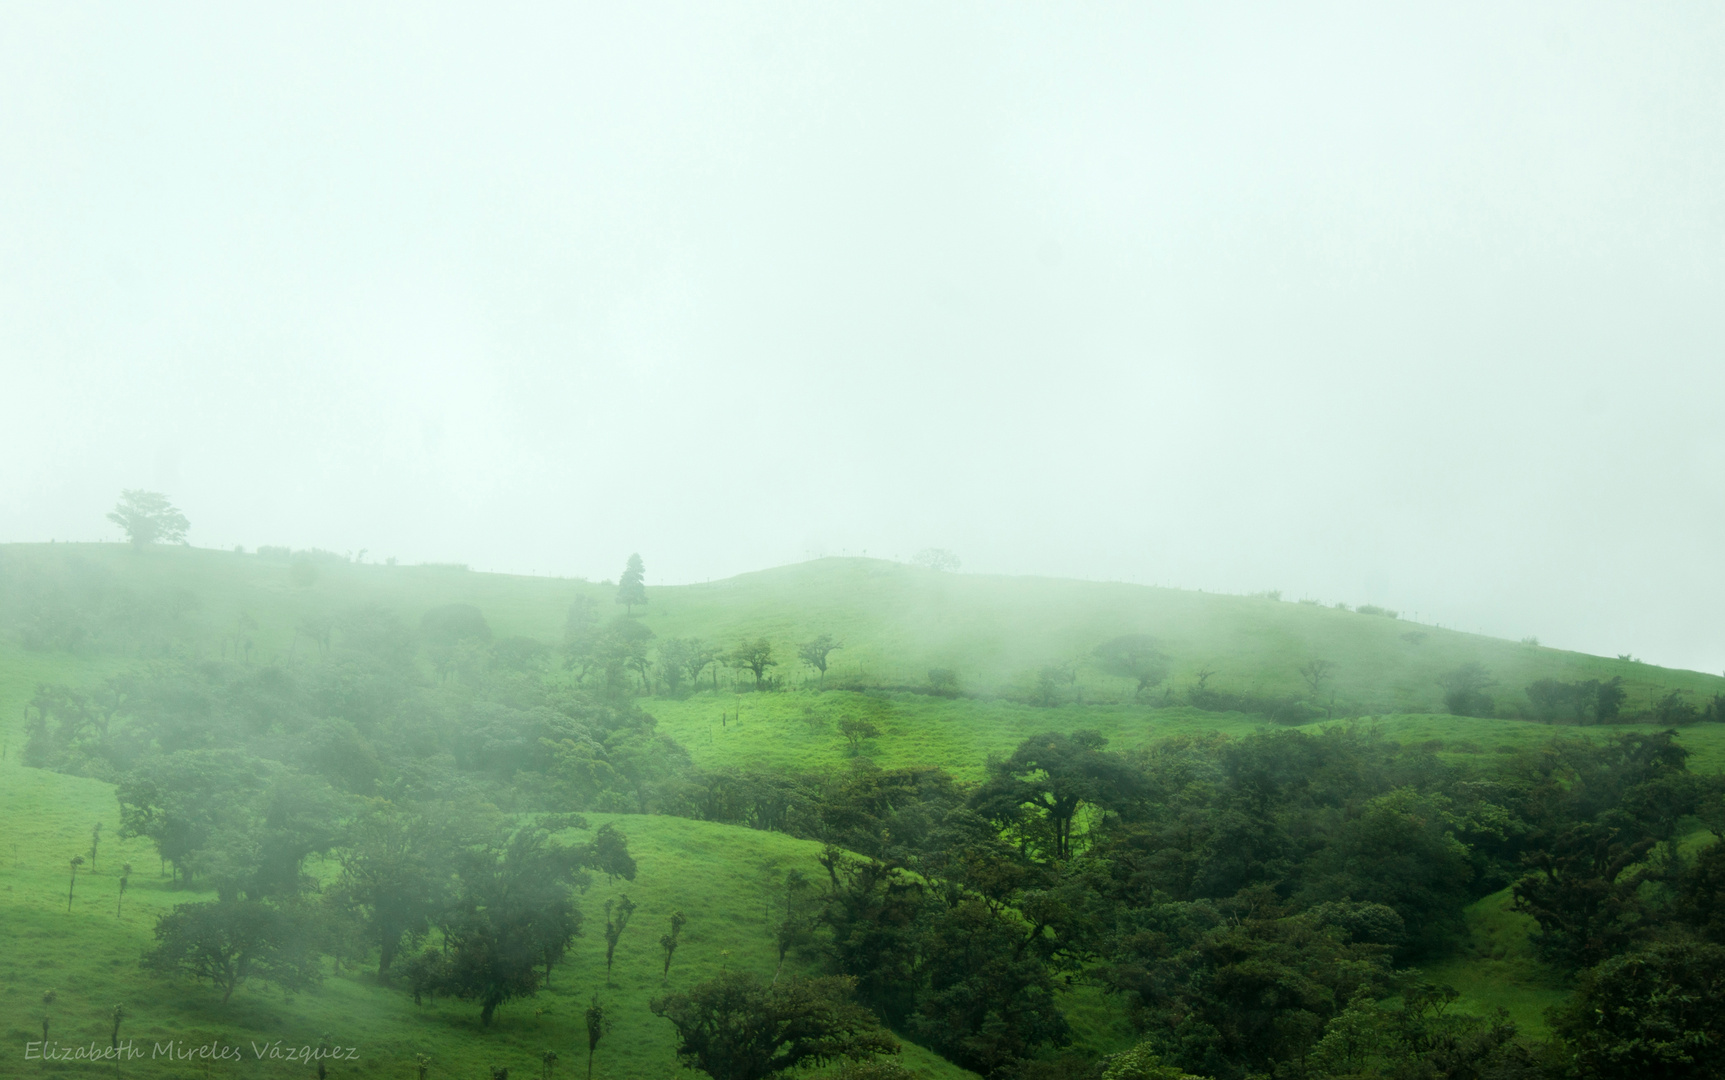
{"x": 631, "y": 586}
{"x": 148, "y": 518}
{"x": 754, "y": 657}
{"x": 1136, "y": 657}
{"x": 735, "y": 1027}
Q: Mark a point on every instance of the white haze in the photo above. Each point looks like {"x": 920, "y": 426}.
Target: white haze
{"x": 1412, "y": 305}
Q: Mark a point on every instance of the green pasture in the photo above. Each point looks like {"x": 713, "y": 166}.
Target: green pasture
{"x": 895, "y": 623}
{"x": 718, "y": 875}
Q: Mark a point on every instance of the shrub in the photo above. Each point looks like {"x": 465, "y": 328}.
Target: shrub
{"x": 1285, "y": 710}
{"x": 1673, "y": 710}
{"x": 1464, "y": 690}
{"x": 1650, "y": 1015}
{"x": 1579, "y": 701}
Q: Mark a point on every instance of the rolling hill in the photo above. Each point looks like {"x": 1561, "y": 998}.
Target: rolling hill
{"x": 74, "y": 614}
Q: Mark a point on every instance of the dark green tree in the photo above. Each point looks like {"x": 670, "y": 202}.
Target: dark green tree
{"x": 148, "y": 518}
{"x": 1656, "y": 1014}
{"x": 1585, "y": 893}
{"x": 609, "y": 854}
{"x": 191, "y": 801}
{"x": 668, "y": 942}
{"x": 229, "y": 941}
{"x": 734, "y": 1027}
{"x": 1673, "y": 709}
{"x": 77, "y": 861}
{"x": 1701, "y": 893}
{"x": 1053, "y": 776}
{"x": 1136, "y": 657}
{"x": 1553, "y": 699}
{"x": 794, "y": 918}
{"x": 1397, "y": 850}
{"x": 1249, "y": 989}
{"x": 989, "y": 1000}
{"x": 855, "y": 730}
{"x": 631, "y": 587}
{"x": 677, "y": 663}
{"x": 616, "y": 921}
{"x": 1608, "y": 699}
{"x": 753, "y": 656}
{"x": 697, "y": 657}
{"x": 1316, "y": 673}
{"x": 597, "y": 1025}
{"x": 116, "y": 1018}
{"x": 619, "y": 649}
{"x": 814, "y": 653}
{"x": 1464, "y": 690}
{"x": 874, "y": 914}
{"x": 395, "y": 875}
{"x": 1142, "y": 1062}
{"x": 513, "y": 918}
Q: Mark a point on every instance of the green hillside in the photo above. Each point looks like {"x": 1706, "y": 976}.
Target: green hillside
{"x": 896, "y": 622}
{"x": 75, "y": 614}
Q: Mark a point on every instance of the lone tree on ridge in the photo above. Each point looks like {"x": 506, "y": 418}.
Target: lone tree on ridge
{"x": 147, "y": 518}
{"x": 630, "y": 587}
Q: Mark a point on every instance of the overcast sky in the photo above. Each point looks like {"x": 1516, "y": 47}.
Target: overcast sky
{"x": 1357, "y": 302}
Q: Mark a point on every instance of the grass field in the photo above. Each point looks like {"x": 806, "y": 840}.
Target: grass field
{"x": 799, "y": 729}
{"x": 88, "y": 957}
{"x": 895, "y": 622}
{"x": 1495, "y": 967}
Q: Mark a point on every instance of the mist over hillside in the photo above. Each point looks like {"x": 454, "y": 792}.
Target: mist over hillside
{"x": 806, "y": 541}
{"x": 417, "y": 808}
{"x": 995, "y": 634}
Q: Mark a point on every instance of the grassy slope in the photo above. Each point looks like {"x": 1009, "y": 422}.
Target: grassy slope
{"x": 799, "y": 730}
{"x": 1495, "y": 967}
{"x": 88, "y": 956}
{"x": 896, "y": 622}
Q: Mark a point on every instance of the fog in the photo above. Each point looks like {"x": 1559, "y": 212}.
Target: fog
{"x": 1419, "y": 309}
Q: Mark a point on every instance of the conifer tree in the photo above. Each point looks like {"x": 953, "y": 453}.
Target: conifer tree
{"x": 630, "y": 587}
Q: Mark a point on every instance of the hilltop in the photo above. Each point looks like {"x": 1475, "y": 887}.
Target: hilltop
{"x": 895, "y": 622}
